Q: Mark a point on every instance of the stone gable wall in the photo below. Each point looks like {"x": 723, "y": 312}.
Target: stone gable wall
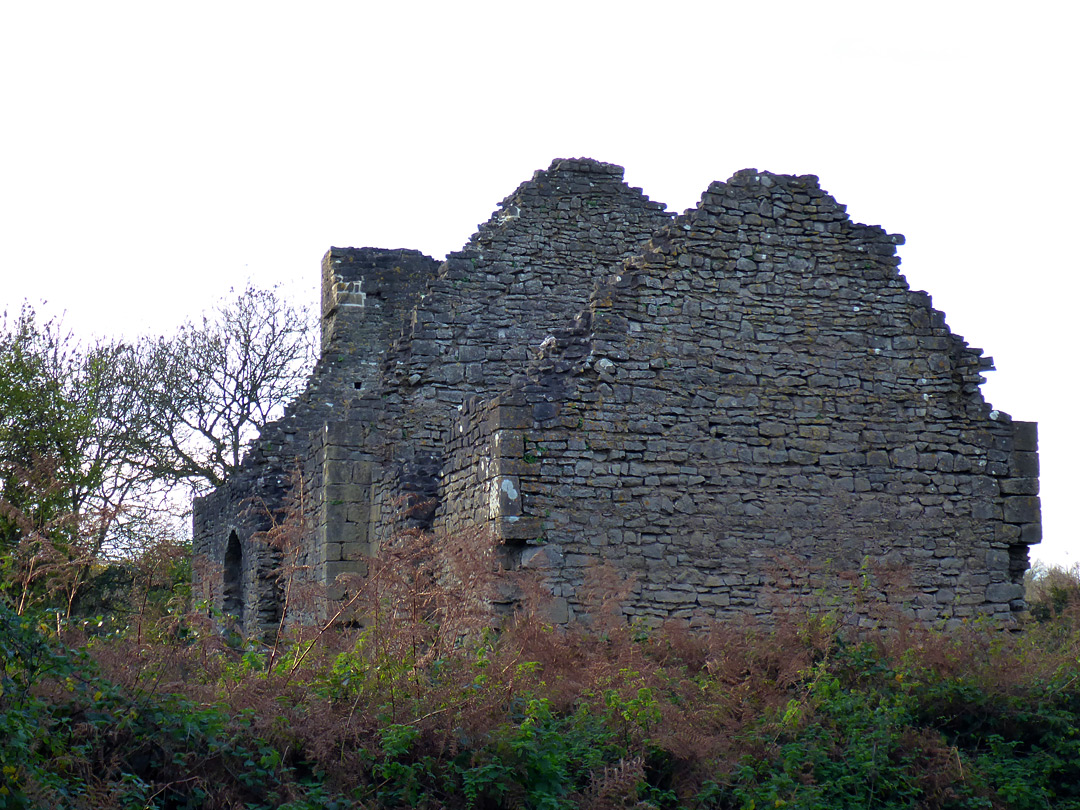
{"x": 756, "y": 409}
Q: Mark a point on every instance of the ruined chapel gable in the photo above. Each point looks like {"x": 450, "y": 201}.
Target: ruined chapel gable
{"x": 758, "y": 407}
{"x": 741, "y": 408}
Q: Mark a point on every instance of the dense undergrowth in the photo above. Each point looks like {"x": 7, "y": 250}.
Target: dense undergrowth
{"x": 401, "y": 714}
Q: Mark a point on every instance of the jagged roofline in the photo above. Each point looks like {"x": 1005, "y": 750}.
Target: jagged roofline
{"x": 961, "y": 352}
{"x": 512, "y": 208}
{"x": 509, "y": 210}
{"x": 564, "y": 352}
{"x": 579, "y": 165}
{"x": 578, "y": 332}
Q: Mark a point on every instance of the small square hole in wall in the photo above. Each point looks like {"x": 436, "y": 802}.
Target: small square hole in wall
{"x": 358, "y": 385}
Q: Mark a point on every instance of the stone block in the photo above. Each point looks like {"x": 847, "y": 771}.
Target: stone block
{"x": 667, "y": 597}
{"x": 1004, "y": 592}
{"x": 346, "y": 493}
{"x": 877, "y": 458}
{"x": 451, "y": 373}
{"x": 1020, "y": 486}
{"x": 1031, "y": 533}
{"x": 337, "y": 471}
{"x": 508, "y": 444}
{"x": 1025, "y": 436}
{"x": 510, "y": 417}
{"x": 904, "y": 457}
{"x": 1024, "y": 464}
{"x": 339, "y": 436}
{"x": 516, "y": 467}
{"x": 505, "y": 496}
{"x": 543, "y": 411}
{"x": 714, "y": 599}
{"x": 1022, "y": 509}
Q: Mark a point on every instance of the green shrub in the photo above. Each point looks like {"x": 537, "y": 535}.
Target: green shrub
{"x": 1053, "y": 591}
{"x": 395, "y": 715}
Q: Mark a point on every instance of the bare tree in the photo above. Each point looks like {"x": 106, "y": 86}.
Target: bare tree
{"x": 94, "y": 438}
{"x": 209, "y": 389}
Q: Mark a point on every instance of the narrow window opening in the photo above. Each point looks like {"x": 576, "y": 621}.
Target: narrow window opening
{"x": 1018, "y": 564}
{"x": 233, "y": 602}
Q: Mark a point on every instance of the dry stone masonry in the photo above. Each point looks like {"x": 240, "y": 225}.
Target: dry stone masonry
{"x": 740, "y": 409}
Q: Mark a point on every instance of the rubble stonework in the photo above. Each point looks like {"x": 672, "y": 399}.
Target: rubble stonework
{"x": 366, "y": 297}
{"x": 740, "y": 409}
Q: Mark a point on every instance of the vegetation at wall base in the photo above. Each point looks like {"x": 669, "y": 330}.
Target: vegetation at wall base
{"x": 795, "y": 715}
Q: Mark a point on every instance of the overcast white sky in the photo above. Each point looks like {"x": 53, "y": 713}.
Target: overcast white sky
{"x": 155, "y": 155}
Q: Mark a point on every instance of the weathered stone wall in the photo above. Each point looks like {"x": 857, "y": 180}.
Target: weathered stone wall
{"x": 741, "y": 409}
{"x": 339, "y": 472}
{"x": 486, "y": 459}
{"x": 366, "y": 296}
{"x": 757, "y": 408}
{"x": 526, "y": 272}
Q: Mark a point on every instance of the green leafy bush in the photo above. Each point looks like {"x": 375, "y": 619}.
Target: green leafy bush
{"x": 404, "y": 714}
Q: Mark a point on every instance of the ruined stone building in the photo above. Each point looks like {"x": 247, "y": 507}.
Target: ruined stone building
{"x": 735, "y": 407}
